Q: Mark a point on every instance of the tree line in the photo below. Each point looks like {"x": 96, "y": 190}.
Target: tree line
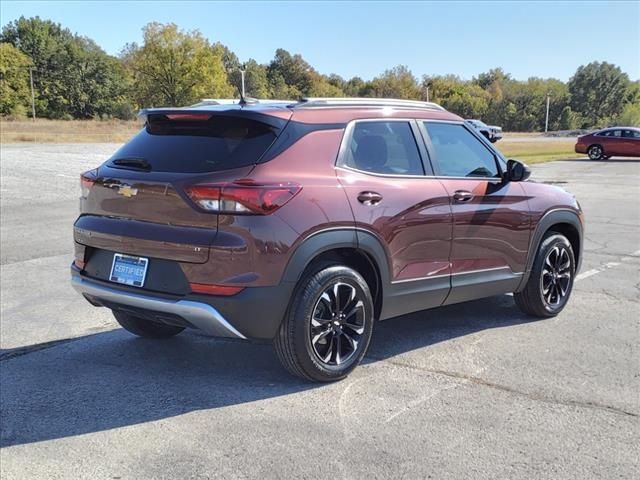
{"x": 75, "y": 79}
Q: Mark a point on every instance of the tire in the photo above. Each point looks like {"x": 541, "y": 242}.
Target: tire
{"x": 328, "y": 326}
{"x": 145, "y": 328}
{"x": 595, "y": 152}
{"x": 551, "y": 280}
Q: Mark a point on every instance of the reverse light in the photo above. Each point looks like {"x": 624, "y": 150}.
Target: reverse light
{"x": 208, "y": 289}
{"x": 242, "y": 197}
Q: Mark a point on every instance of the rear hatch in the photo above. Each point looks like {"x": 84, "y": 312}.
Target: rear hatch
{"x": 138, "y": 201}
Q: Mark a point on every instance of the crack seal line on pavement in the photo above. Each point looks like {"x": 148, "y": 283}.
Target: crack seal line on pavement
{"x": 513, "y": 391}
{"x": 20, "y": 351}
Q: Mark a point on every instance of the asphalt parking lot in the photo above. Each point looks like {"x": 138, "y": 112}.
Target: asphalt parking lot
{"x": 470, "y": 391}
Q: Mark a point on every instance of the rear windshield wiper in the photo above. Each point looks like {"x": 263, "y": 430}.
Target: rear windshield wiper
{"x": 137, "y": 163}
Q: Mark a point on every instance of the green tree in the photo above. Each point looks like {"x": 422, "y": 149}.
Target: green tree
{"x": 494, "y": 77}
{"x": 73, "y": 76}
{"x": 568, "y": 119}
{"x": 397, "y": 82}
{"x": 15, "y": 94}
{"x": 598, "y": 92}
{"x": 354, "y": 87}
{"x": 175, "y": 68}
{"x": 256, "y": 81}
{"x": 466, "y": 99}
{"x": 96, "y": 85}
{"x": 296, "y": 73}
{"x": 630, "y": 116}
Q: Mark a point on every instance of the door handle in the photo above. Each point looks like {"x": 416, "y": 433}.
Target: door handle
{"x": 369, "y": 198}
{"x": 462, "y": 196}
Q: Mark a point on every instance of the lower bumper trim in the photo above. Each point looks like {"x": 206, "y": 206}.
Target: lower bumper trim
{"x": 203, "y": 316}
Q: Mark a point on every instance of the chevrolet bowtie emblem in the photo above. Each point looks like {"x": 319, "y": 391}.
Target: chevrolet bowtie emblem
{"x": 127, "y": 191}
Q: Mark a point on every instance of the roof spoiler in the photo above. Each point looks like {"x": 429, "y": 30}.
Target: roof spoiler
{"x": 235, "y": 110}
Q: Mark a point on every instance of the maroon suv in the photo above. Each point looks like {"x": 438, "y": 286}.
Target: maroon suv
{"x": 305, "y": 223}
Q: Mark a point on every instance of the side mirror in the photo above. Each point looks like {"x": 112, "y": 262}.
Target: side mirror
{"x": 517, "y": 171}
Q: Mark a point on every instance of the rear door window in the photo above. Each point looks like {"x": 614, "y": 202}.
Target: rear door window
{"x": 630, "y": 134}
{"x": 383, "y": 147}
{"x": 196, "y": 144}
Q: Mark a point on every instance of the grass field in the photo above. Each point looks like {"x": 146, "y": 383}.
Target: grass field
{"x": 67, "y": 131}
{"x": 535, "y": 148}
{"x": 528, "y": 147}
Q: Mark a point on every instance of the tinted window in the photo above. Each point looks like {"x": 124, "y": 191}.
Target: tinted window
{"x": 631, "y": 134}
{"x": 611, "y": 133}
{"x": 459, "y": 153}
{"x": 384, "y": 147}
{"x": 194, "y": 146}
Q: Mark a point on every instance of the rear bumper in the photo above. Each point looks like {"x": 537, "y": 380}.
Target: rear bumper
{"x": 580, "y": 148}
{"x": 201, "y": 315}
{"x": 255, "y": 313}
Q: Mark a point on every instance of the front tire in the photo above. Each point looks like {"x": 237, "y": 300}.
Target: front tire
{"x": 328, "y": 326}
{"x": 595, "y": 152}
{"x": 551, "y": 280}
{"x": 145, "y": 328}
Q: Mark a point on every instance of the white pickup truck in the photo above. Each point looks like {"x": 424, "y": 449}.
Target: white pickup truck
{"x": 492, "y": 132}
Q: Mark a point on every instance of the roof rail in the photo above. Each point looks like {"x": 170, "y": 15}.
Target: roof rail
{"x": 364, "y": 102}
{"x": 236, "y": 101}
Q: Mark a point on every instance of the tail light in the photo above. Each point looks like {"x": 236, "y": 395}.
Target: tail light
{"x": 87, "y": 179}
{"x": 242, "y": 197}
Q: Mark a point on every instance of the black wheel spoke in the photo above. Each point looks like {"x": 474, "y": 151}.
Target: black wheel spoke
{"x": 556, "y": 276}
{"x": 319, "y": 336}
{"x": 337, "y": 323}
{"x": 338, "y": 343}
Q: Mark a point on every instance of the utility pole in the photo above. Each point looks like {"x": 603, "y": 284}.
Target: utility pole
{"x": 33, "y": 95}
{"x": 546, "y": 121}
{"x": 427, "y": 93}
{"x": 242, "y": 77}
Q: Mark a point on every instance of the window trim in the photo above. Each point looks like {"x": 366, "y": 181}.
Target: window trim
{"x": 478, "y": 136}
{"x": 423, "y": 154}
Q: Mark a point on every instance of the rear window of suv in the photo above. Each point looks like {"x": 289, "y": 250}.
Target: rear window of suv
{"x": 196, "y": 143}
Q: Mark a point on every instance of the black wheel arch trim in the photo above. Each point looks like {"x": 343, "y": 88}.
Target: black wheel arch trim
{"x": 548, "y": 220}
{"x": 332, "y": 239}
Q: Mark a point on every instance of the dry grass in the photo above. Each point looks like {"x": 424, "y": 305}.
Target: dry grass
{"x": 67, "y": 131}
{"x": 537, "y": 149}
{"x": 528, "y": 147}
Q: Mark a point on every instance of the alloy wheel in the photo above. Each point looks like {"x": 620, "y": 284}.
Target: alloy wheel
{"x": 337, "y": 324}
{"x": 556, "y": 276}
{"x": 595, "y": 152}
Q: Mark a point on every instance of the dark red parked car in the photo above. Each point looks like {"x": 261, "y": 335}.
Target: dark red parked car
{"x": 305, "y": 223}
{"x": 616, "y": 141}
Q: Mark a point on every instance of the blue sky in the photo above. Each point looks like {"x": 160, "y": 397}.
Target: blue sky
{"x": 545, "y": 39}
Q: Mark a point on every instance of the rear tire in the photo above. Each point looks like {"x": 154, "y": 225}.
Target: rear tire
{"x": 328, "y": 326}
{"x": 145, "y": 328}
{"x": 595, "y": 152}
{"x": 551, "y": 280}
